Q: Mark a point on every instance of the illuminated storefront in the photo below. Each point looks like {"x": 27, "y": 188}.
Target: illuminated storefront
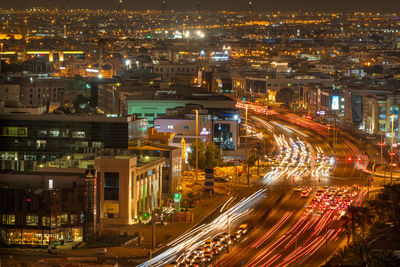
{"x": 38, "y": 210}
{"x": 41, "y": 237}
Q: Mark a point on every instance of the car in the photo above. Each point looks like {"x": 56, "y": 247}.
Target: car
{"x": 207, "y": 254}
{"x": 102, "y": 251}
{"x": 215, "y": 251}
{"x": 191, "y": 258}
{"x": 304, "y": 193}
{"x": 225, "y": 244}
{"x": 216, "y": 240}
{"x": 219, "y": 247}
{"x": 208, "y": 242}
{"x": 225, "y": 235}
{"x": 233, "y": 238}
{"x": 207, "y": 249}
{"x": 298, "y": 189}
{"x": 52, "y": 250}
{"x": 207, "y": 258}
{"x": 199, "y": 251}
{"x": 237, "y": 235}
{"x": 243, "y": 228}
{"x": 197, "y": 262}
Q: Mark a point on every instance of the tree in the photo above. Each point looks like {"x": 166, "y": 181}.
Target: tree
{"x": 285, "y": 96}
{"x": 251, "y": 161}
{"x": 212, "y": 156}
{"x": 201, "y": 154}
{"x": 77, "y": 84}
{"x": 192, "y": 198}
{"x": 209, "y": 156}
{"x": 384, "y": 258}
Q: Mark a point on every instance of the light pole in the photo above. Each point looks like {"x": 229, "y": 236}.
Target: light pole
{"x": 391, "y": 150}
{"x": 197, "y": 143}
{"x": 247, "y": 167}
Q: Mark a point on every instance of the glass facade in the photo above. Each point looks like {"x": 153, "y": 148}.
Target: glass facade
{"x": 40, "y": 237}
{"x": 36, "y": 140}
{"x": 111, "y": 186}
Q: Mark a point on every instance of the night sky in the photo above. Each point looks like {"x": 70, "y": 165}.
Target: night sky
{"x": 262, "y": 5}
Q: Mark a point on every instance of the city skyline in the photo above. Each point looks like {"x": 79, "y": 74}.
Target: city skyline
{"x": 208, "y": 5}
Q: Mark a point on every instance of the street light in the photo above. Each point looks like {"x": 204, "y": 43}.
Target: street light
{"x": 197, "y": 143}
{"x": 247, "y": 167}
{"x": 391, "y": 149}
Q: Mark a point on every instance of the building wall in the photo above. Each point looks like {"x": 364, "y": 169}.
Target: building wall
{"x": 152, "y": 109}
{"x": 139, "y": 190}
{"x": 33, "y": 213}
{"x": 41, "y": 92}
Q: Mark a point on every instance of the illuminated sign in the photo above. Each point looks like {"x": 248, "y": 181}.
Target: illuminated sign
{"x": 335, "y": 102}
{"x": 205, "y": 131}
{"x": 92, "y": 70}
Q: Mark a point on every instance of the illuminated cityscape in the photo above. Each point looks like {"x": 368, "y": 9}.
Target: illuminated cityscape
{"x": 242, "y": 136}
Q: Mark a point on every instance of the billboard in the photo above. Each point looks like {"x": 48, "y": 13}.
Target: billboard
{"x": 335, "y": 102}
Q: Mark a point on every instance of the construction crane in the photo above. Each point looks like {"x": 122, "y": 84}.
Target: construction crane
{"x": 251, "y": 12}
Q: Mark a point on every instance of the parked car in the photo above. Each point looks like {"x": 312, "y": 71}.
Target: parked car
{"x": 102, "y": 251}
{"x": 52, "y": 250}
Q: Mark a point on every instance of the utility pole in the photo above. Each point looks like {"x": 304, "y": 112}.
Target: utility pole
{"x": 197, "y": 143}
{"x": 264, "y": 146}
{"x": 391, "y": 150}
{"x": 150, "y": 257}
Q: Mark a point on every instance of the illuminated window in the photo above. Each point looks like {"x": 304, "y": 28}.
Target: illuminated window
{"x": 170, "y": 127}
{"x": 74, "y": 218}
{"x": 186, "y": 127}
{"x": 64, "y": 218}
{"x": 15, "y": 131}
{"x": 78, "y": 134}
{"x": 42, "y": 133}
{"x": 54, "y": 133}
{"x": 45, "y": 221}
{"x": 40, "y": 144}
{"x": 32, "y": 220}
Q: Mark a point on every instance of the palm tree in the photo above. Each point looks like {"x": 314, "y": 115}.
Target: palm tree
{"x": 365, "y": 218}
{"x": 384, "y": 258}
{"x": 339, "y": 259}
{"x": 359, "y": 252}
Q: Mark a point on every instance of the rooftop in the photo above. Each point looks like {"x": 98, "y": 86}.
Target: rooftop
{"x": 74, "y": 117}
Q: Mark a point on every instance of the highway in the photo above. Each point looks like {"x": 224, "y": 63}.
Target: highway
{"x": 303, "y": 226}
{"x": 306, "y": 230}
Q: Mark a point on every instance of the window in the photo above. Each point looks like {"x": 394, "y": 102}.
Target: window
{"x": 157, "y": 127}
{"x": 74, "y": 218}
{"x": 32, "y": 220}
{"x": 149, "y": 114}
{"x": 15, "y": 131}
{"x": 54, "y": 133}
{"x": 111, "y": 186}
{"x": 97, "y": 144}
{"x": 64, "y": 218}
{"x": 40, "y": 144}
{"x": 186, "y": 127}
{"x": 10, "y": 219}
{"x": 78, "y": 134}
{"x": 45, "y": 221}
{"x": 42, "y": 133}
{"x": 170, "y": 127}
